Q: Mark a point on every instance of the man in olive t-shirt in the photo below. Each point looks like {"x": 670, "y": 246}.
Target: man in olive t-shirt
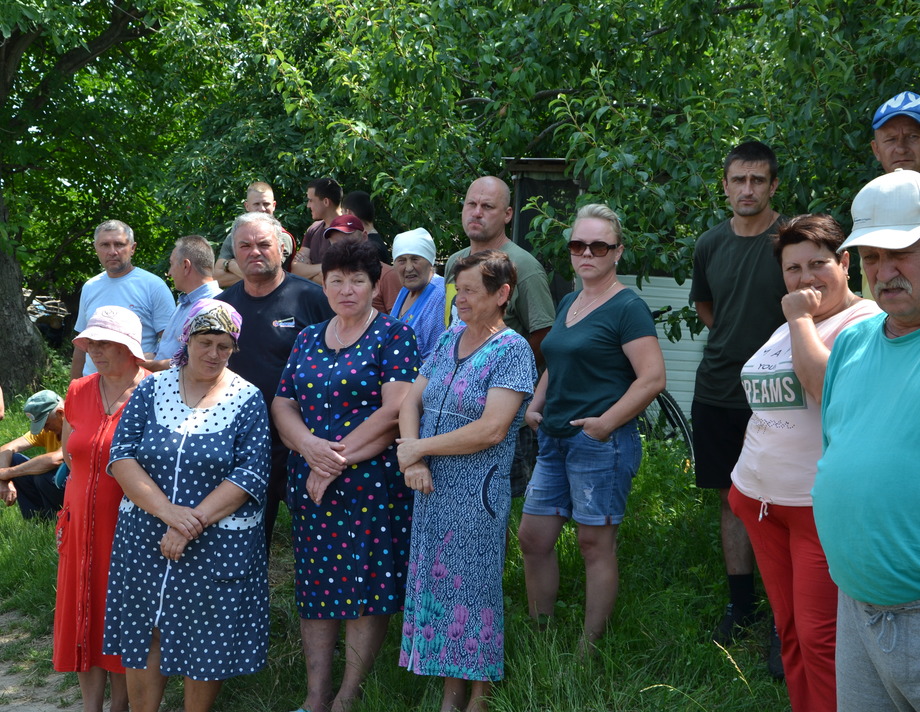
{"x": 737, "y": 289}
{"x": 486, "y": 213}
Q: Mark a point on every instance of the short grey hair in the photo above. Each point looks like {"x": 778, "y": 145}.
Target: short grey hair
{"x": 114, "y": 226}
{"x": 251, "y": 218}
{"x": 198, "y": 252}
{"x": 600, "y": 211}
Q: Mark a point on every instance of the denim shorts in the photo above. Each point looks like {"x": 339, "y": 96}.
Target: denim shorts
{"x": 584, "y": 479}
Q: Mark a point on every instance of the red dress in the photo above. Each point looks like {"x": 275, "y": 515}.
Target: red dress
{"x": 86, "y": 527}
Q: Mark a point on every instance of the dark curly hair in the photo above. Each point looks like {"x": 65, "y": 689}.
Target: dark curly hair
{"x": 350, "y": 256}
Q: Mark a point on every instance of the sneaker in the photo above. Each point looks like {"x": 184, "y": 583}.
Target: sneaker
{"x": 731, "y": 626}
{"x": 774, "y": 657}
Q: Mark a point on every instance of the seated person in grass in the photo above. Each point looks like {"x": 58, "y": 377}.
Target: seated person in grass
{"x": 35, "y": 490}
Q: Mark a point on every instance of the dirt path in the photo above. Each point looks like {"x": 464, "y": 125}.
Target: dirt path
{"x": 22, "y": 689}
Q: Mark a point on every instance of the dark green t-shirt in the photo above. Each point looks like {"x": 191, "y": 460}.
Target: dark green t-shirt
{"x": 588, "y": 371}
{"x": 744, "y": 282}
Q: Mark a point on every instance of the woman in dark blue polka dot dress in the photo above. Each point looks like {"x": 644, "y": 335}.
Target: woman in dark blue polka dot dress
{"x": 188, "y": 584}
{"x": 336, "y": 408}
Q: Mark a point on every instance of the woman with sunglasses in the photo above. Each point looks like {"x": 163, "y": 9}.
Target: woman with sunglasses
{"x": 603, "y": 367}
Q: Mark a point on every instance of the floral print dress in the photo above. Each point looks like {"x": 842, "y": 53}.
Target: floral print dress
{"x": 454, "y": 614}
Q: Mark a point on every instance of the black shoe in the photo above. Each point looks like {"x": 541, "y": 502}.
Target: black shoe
{"x": 731, "y": 626}
{"x": 774, "y": 657}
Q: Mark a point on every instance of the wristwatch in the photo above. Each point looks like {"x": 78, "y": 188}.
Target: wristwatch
{"x": 227, "y": 265}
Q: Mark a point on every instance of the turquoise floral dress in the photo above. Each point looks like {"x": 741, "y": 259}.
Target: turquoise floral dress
{"x": 453, "y": 623}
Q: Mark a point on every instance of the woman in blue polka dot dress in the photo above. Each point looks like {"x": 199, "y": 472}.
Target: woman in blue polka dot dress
{"x": 336, "y": 408}
{"x": 188, "y": 582}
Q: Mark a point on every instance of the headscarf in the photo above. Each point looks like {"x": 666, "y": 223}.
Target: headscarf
{"x": 207, "y": 315}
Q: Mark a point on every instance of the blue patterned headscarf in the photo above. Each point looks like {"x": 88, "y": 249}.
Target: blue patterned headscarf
{"x": 207, "y": 315}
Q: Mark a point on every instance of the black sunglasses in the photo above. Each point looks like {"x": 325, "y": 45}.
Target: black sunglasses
{"x": 598, "y": 249}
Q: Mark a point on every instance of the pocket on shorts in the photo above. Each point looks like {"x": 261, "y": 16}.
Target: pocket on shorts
{"x": 595, "y": 440}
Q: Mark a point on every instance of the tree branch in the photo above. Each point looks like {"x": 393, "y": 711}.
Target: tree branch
{"x": 123, "y": 26}
{"x": 730, "y": 10}
{"x": 11, "y": 54}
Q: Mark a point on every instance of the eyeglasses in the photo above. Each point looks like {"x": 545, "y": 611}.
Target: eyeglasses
{"x": 598, "y": 249}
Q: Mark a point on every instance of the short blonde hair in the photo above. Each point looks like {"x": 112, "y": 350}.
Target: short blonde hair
{"x": 602, "y": 212}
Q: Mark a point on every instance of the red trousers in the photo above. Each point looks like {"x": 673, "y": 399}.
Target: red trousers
{"x": 802, "y": 596}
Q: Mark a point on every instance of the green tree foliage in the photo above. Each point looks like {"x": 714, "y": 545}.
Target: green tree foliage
{"x": 160, "y": 111}
{"x": 92, "y": 96}
{"x": 412, "y": 100}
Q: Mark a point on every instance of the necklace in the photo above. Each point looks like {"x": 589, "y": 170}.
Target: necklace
{"x": 891, "y": 333}
{"x": 335, "y": 326}
{"x": 582, "y": 308}
{"x": 184, "y": 391}
{"x": 105, "y": 396}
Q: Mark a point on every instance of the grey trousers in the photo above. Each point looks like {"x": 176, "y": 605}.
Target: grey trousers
{"x": 878, "y": 656}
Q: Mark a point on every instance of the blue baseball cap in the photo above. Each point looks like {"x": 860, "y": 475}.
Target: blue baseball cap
{"x": 904, "y": 104}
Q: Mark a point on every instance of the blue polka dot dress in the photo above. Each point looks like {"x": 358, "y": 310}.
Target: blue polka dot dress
{"x": 350, "y": 551}
{"x": 211, "y": 606}
{"x": 453, "y": 625}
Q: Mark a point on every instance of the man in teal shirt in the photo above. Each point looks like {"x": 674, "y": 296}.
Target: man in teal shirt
{"x": 866, "y": 494}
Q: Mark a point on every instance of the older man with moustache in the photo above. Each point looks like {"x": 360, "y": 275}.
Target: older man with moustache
{"x": 865, "y": 494}
{"x": 275, "y": 307}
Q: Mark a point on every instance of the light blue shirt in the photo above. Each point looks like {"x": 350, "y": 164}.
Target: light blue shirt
{"x": 143, "y": 293}
{"x": 169, "y": 342}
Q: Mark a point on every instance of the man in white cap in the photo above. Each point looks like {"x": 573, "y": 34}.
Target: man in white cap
{"x": 420, "y": 302}
{"x": 897, "y": 132}
{"x": 34, "y": 488}
{"x": 866, "y": 498}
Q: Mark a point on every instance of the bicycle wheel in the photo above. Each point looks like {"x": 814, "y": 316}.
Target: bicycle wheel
{"x": 664, "y": 421}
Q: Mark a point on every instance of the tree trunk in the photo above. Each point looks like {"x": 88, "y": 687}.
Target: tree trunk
{"x": 22, "y": 355}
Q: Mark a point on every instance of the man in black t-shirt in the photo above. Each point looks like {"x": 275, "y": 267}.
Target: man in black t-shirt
{"x": 737, "y": 289}
{"x": 275, "y": 307}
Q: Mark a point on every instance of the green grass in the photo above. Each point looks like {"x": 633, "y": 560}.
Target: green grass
{"x": 656, "y": 656}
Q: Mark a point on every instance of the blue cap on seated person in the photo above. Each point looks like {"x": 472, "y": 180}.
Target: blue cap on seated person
{"x": 39, "y": 407}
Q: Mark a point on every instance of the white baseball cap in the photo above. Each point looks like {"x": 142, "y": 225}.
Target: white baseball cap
{"x": 886, "y": 212}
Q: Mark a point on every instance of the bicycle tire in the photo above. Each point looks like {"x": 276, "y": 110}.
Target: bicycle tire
{"x": 664, "y": 421}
